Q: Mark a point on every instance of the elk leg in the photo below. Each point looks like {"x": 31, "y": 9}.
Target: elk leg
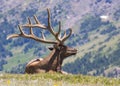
{"x": 63, "y": 72}
{"x": 40, "y": 71}
{"x": 58, "y": 68}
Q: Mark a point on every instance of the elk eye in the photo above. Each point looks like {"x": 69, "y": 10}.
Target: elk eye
{"x": 50, "y": 48}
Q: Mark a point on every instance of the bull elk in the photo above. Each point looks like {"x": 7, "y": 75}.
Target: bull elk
{"x": 59, "y": 51}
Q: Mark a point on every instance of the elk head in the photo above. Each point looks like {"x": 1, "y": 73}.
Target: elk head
{"x": 59, "y": 49}
{"x": 64, "y": 50}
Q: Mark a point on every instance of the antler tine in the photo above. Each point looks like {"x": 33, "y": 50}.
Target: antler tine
{"x": 16, "y": 35}
{"x": 29, "y": 23}
{"x": 38, "y": 24}
{"x": 36, "y": 20}
{"x": 49, "y": 23}
{"x": 20, "y": 28}
{"x": 31, "y": 31}
{"x": 65, "y": 37}
{"x": 59, "y": 29}
{"x": 13, "y": 36}
{"x": 43, "y": 36}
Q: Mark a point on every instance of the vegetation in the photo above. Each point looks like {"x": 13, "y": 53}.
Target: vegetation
{"x": 54, "y": 79}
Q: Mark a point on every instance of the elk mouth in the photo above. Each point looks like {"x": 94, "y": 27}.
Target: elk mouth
{"x": 73, "y": 52}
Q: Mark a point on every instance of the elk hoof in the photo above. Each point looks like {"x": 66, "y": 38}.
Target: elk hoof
{"x": 63, "y": 72}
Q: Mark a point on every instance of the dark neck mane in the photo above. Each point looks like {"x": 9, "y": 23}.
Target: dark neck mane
{"x": 53, "y": 58}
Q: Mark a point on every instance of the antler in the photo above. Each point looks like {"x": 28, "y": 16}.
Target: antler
{"x": 56, "y": 34}
{"x": 39, "y": 25}
{"x": 31, "y": 35}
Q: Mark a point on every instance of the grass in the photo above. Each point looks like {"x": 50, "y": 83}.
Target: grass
{"x": 55, "y": 79}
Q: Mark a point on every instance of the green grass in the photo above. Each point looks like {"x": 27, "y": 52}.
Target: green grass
{"x": 55, "y": 79}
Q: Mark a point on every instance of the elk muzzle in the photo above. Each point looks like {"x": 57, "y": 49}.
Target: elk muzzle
{"x": 70, "y": 52}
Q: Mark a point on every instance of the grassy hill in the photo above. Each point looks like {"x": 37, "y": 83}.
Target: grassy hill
{"x": 46, "y": 79}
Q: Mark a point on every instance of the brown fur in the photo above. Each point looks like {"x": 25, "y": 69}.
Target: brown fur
{"x": 51, "y": 63}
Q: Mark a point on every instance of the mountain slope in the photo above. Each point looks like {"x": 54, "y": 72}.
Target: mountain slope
{"x": 100, "y": 52}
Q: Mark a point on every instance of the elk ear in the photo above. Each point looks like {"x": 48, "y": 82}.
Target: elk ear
{"x": 50, "y": 48}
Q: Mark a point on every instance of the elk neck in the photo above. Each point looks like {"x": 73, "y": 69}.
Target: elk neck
{"x": 52, "y": 56}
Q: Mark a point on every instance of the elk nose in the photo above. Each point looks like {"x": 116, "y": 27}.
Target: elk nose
{"x": 75, "y": 50}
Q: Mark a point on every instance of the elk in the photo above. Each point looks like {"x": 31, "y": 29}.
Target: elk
{"x": 59, "y": 51}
